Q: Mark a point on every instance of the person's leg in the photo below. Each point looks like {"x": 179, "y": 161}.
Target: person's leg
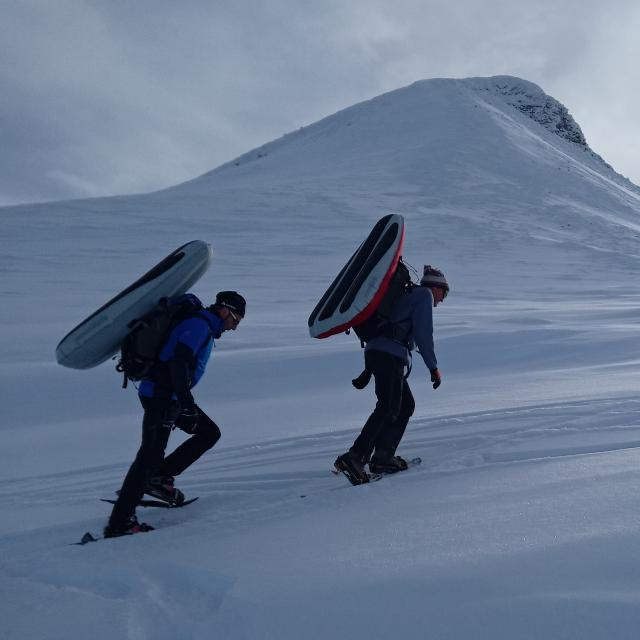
{"x": 205, "y": 436}
{"x": 388, "y": 373}
{"x": 156, "y": 427}
{"x": 389, "y": 439}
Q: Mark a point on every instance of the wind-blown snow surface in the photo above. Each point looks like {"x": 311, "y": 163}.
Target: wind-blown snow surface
{"x": 522, "y": 522}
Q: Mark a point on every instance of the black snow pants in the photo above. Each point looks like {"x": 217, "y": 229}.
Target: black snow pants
{"x": 385, "y": 427}
{"x": 160, "y": 416}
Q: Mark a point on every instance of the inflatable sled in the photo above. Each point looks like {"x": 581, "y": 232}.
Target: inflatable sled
{"x": 98, "y": 338}
{"x": 355, "y": 294}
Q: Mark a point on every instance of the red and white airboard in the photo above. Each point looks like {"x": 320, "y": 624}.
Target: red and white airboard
{"x": 356, "y": 292}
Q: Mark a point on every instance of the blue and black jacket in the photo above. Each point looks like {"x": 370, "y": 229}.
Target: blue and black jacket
{"x": 183, "y": 358}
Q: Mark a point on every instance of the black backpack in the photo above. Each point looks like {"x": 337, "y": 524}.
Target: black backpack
{"x": 140, "y": 349}
{"x": 379, "y": 322}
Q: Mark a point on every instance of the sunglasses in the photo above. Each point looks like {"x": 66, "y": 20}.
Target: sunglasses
{"x": 235, "y": 318}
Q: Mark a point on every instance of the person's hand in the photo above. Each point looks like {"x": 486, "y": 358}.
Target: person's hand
{"x": 436, "y": 378}
{"x": 188, "y": 419}
{"x": 362, "y": 380}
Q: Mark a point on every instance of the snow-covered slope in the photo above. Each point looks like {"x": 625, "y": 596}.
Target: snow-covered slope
{"x": 522, "y": 520}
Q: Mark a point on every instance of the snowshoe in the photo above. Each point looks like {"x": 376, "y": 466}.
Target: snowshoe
{"x": 352, "y": 467}
{"x": 157, "y": 503}
{"x": 382, "y": 471}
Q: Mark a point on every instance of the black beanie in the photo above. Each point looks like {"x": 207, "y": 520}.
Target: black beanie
{"x": 232, "y": 300}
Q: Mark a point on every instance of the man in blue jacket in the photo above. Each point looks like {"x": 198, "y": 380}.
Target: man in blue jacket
{"x": 167, "y": 401}
{"x": 387, "y": 358}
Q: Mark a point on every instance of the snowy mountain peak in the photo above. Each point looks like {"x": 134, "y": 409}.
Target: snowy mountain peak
{"x": 531, "y": 100}
{"x": 425, "y": 128}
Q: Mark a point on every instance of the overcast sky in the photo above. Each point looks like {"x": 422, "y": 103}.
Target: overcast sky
{"x": 102, "y": 97}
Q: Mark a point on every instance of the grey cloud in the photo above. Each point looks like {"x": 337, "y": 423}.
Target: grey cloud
{"x": 118, "y": 97}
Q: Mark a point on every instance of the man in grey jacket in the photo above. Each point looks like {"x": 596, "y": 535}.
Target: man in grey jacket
{"x": 387, "y": 357}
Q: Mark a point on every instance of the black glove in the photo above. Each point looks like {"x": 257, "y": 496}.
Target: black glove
{"x": 436, "y": 378}
{"x": 362, "y": 380}
{"x": 188, "y": 418}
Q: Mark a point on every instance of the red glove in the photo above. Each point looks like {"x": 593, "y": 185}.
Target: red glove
{"x": 436, "y": 378}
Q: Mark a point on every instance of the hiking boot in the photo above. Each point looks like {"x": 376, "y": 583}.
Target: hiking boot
{"x": 351, "y": 466}
{"x": 130, "y": 527}
{"x": 161, "y": 487}
{"x": 392, "y": 464}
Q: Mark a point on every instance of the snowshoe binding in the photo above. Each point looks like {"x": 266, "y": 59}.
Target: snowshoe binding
{"x": 162, "y": 488}
{"x": 391, "y": 464}
{"x": 130, "y": 527}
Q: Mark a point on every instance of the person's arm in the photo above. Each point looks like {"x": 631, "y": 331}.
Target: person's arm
{"x": 192, "y": 334}
{"x": 422, "y": 319}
